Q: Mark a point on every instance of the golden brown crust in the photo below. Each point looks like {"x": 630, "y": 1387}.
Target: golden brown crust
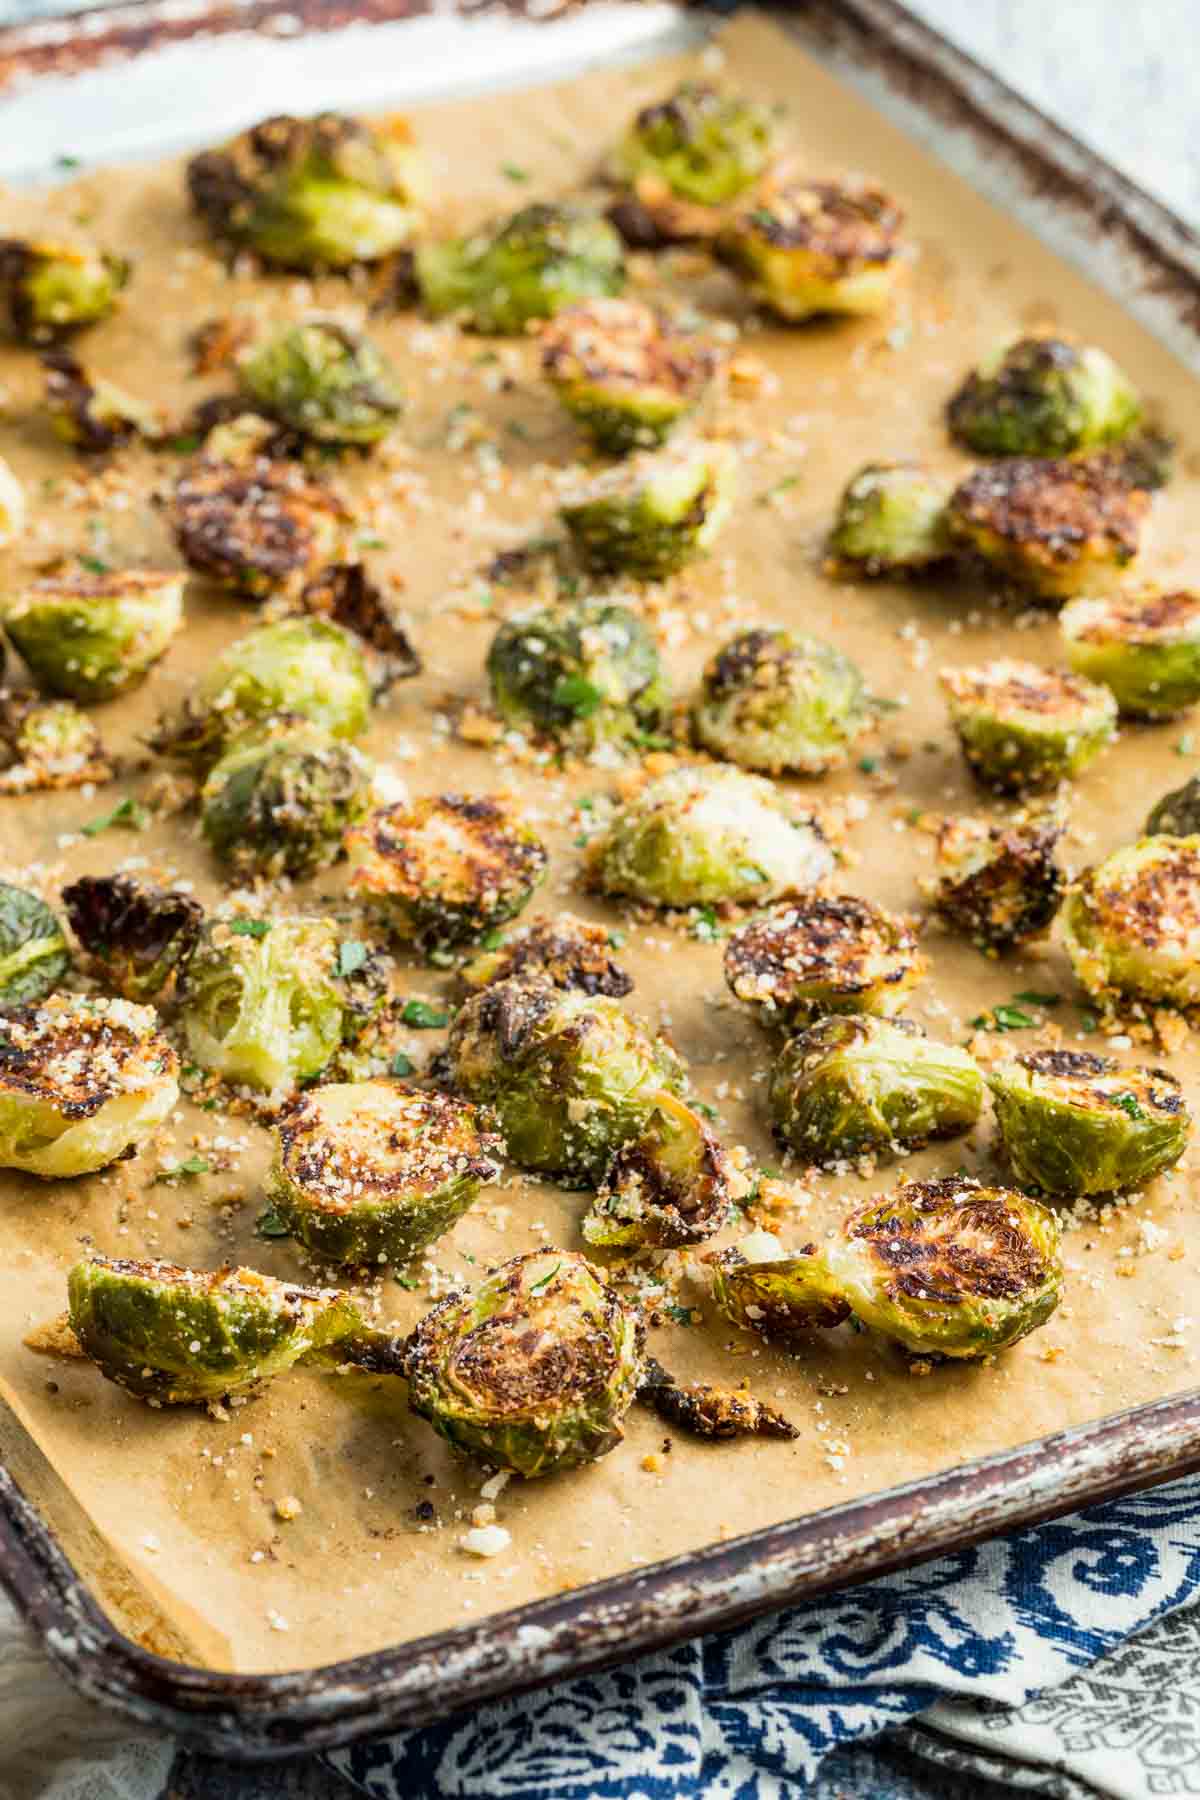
{"x": 845, "y": 224}
{"x": 1052, "y": 508}
{"x": 838, "y": 942}
{"x": 261, "y": 524}
{"x": 995, "y": 1260}
{"x": 622, "y": 344}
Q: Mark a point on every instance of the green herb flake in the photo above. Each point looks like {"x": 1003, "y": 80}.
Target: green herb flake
{"x": 423, "y": 1017}
{"x": 1186, "y": 745}
{"x": 270, "y": 1225}
{"x": 368, "y": 541}
{"x": 705, "y": 925}
{"x": 682, "y": 1315}
{"x": 129, "y": 814}
{"x": 408, "y": 1282}
{"x": 251, "y": 928}
{"x": 514, "y": 172}
{"x": 401, "y": 1064}
{"x": 1129, "y": 1105}
{"x": 577, "y": 695}
{"x": 535, "y": 1287}
{"x": 1031, "y": 997}
{"x": 95, "y": 565}
{"x": 868, "y": 764}
{"x": 778, "y": 487}
{"x": 184, "y": 1170}
{"x": 186, "y": 443}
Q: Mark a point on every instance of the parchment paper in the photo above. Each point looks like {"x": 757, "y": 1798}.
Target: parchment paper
{"x": 187, "y": 1503}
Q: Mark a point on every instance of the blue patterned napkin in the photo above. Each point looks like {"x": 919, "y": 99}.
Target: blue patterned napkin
{"x": 962, "y": 1642}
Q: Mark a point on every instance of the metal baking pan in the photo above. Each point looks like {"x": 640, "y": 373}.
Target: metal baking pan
{"x": 120, "y": 66}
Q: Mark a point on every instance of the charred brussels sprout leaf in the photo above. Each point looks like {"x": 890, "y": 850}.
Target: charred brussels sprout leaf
{"x": 569, "y": 1077}
{"x": 821, "y": 955}
{"x": 668, "y": 1185}
{"x": 627, "y": 376}
{"x": 93, "y": 636}
{"x": 34, "y": 956}
{"x": 48, "y": 290}
{"x": 810, "y": 247}
{"x": 649, "y": 516}
{"x": 1024, "y": 729}
{"x": 567, "y": 952}
{"x": 1054, "y": 527}
{"x": 1041, "y": 396}
{"x": 535, "y": 1371}
{"x": 1000, "y": 885}
{"x": 774, "y": 700}
{"x": 281, "y": 797}
{"x": 91, "y": 414}
{"x": 583, "y": 675}
{"x": 703, "y": 1410}
{"x": 136, "y": 937}
{"x": 949, "y": 1268}
{"x": 1144, "y": 646}
{"x": 12, "y": 507}
{"x": 371, "y": 1172}
{"x": 445, "y": 869}
{"x": 47, "y": 744}
{"x": 347, "y": 596}
{"x": 1072, "y": 1123}
{"x": 327, "y": 382}
{"x": 700, "y": 836}
{"x": 310, "y": 193}
{"x": 178, "y": 1337}
{"x": 1131, "y": 924}
{"x": 82, "y": 1082}
{"x": 700, "y": 144}
{"x": 891, "y": 520}
{"x": 851, "y": 1086}
{"x": 528, "y": 266}
{"x": 256, "y": 523}
{"x": 782, "y": 1294}
{"x": 1177, "y": 813}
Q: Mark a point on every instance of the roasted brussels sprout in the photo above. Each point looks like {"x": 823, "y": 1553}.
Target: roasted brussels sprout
{"x": 535, "y": 1371}
{"x": 445, "y": 869}
{"x": 89, "y": 413}
{"x": 49, "y": 289}
{"x": 309, "y": 193}
{"x": 700, "y": 144}
{"x": 568, "y": 1076}
{"x": 809, "y": 247}
{"x": 668, "y": 1185}
{"x": 848, "y": 1087}
{"x": 528, "y": 266}
{"x": 1072, "y": 1123}
{"x": 82, "y": 1082}
{"x": 1041, "y": 396}
{"x": 93, "y": 636}
{"x": 718, "y": 1414}
{"x": 1177, "y": 813}
{"x": 34, "y": 956}
{"x": 949, "y": 1268}
{"x": 1023, "y": 729}
{"x": 1054, "y": 527}
{"x": 255, "y": 523}
{"x": 371, "y": 1171}
{"x": 12, "y": 506}
{"x": 623, "y": 372}
{"x": 1131, "y": 924}
{"x": 327, "y": 382}
{"x": 1000, "y": 885}
{"x": 649, "y": 516}
{"x": 136, "y": 937}
{"x": 701, "y": 836}
{"x": 282, "y": 796}
{"x": 891, "y": 519}
{"x": 823, "y": 954}
{"x": 1144, "y": 646}
{"x": 264, "y": 1004}
{"x": 774, "y": 699}
{"x": 47, "y": 744}
{"x": 177, "y": 1337}
{"x": 567, "y": 952}
{"x": 306, "y": 666}
{"x": 345, "y": 594}
{"x": 584, "y": 675}
{"x": 783, "y": 1294}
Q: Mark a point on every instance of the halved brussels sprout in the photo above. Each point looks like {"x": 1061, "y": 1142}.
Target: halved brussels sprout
{"x": 282, "y": 796}
{"x": 256, "y": 524}
{"x": 568, "y": 1076}
{"x": 652, "y": 514}
{"x": 1056, "y": 527}
{"x": 784, "y": 1294}
{"x": 136, "y": 937}
{"x": 1000, "y": 885}
{"x": 12, "y": 506}
{"x": 1072, "y": 1123}
{"x": 47, "y": 744}
{"x": 668, "y": 1185}
{"x": 264, "y": 1004}
{"x": 1023, "y": 729}
{"x": 700, "y": 144}
{"x": 718, "y": 1414}
{"x": 446, "y": 868}
{"x": 327, "y": 382}
{"x": 1144, "y": 646}
{"x": 49, "y": 289}
{"x": 93, "y": 636}
{"x": 567, "y": 952}
{"x": 1042, "y": 396}
{"x": 535, "y": 1371}
{"x": 1177, "y": 814}
{"x": 847, "y": 1087}
{"x": 178, "y": 1337}
{"x": 949, "y": 1268}
{"x": 34, "y": 956}
{"x": 308, "y": 193}
{"x": 91, "y": 414}
{"x": 371, "y": 1171}
{"x": 528, "y": 266}
{"x": 809, "y": 247}
{"x": 623, "y": 372}
{"x": 701, "y": 836}
{"x": 1131, "y": 924}
{"x": 774, "y": 699}
{"x": 306, "y": 666}
{"x": 584, "y": 674}
{"x": 82, "y": 1082}
{"x": 891, "y": 519}
{"x": 823, "y": 954}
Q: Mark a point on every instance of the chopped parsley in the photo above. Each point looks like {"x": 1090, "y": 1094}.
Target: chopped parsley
{"x": 423, "y": 1017}
{"x": 514, "y": 172}
{"x": 184, "y": 1170}
{"x": 535, "y": 1287}
{"x": 577, "y": 695}
{"x": 129, "y": 813}
{"x": 1130, "y": 1105}
{"x": 270, "y": 1225}
{"x": 251, "y": 928}
{"x": 401, "y": 1064}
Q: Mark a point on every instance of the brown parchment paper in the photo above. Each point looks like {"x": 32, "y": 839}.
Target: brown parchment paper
{"x": 185, "y": 1503}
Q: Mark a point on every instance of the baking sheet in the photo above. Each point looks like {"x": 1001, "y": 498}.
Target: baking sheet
{"x": 188, "y": 1503}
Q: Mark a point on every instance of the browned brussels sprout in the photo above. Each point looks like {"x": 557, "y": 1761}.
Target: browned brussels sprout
{"x": 625, "y": 374}
{"x": 1043, "y": 396}
{"x": 811, "y": 247}
{"x": 783, "y": 1294}
{"x": 91, "y": 414}
{"x": 1000, "y": 885}
{"x": 668, "y": 1185}
{"x": 136, "y": 937}
{"x": 1055, "y": 527}
{"x": 823, "y": 954}
{"x": 48, "y": 290}
{"x": 563, "y": 950}
{"x": 47, "y": 744}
